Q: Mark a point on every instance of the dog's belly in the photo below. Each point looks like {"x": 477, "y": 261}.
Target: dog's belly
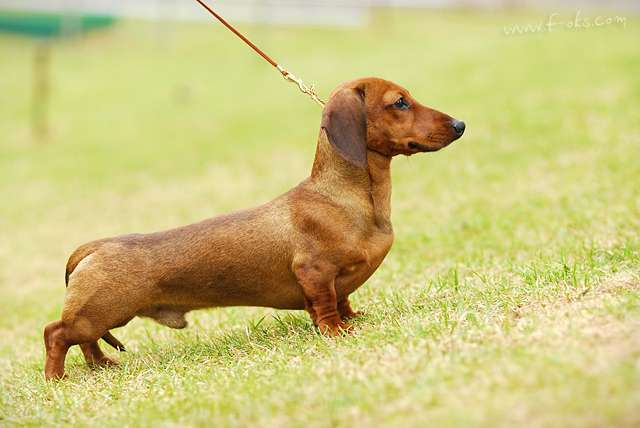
{"x": 171, "y": 306}
{"x": 239, "y": 260}
{"x": 268, "y": 283}
{"x": 280, "y": 292}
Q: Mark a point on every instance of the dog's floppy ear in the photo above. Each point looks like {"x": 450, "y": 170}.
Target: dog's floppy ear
{"x": 345, "y": 121}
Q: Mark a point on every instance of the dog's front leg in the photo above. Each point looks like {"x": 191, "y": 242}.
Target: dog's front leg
{"x": 317, "y": 280}
{"x": 345, "y": 310}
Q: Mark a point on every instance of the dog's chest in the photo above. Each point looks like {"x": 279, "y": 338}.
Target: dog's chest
{"x": 372, "y": 252}
{"x": 377, "y": 248}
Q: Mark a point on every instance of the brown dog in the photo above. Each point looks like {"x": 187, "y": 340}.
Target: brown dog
{"x": 307, "y": 249}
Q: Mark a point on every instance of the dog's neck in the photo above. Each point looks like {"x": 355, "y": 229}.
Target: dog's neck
{"x": 334, "y": 175}
{"x": 380, "y": 179}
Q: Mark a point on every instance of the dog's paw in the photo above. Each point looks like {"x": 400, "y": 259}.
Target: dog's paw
{"x": 104, "y": 362}
{"x": 57, "y": 377}
{"x": 351, "y": 315}
{"x": 335, "y": 330}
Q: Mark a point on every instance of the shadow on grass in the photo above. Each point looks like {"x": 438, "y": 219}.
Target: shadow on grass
{"x": 447, "y": 301}
{"x": 288, "y": 333}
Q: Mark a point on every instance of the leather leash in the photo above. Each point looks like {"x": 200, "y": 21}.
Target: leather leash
{"x": 309, "y": 90}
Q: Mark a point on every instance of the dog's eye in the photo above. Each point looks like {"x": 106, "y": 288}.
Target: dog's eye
{"x": 401, "y": 104}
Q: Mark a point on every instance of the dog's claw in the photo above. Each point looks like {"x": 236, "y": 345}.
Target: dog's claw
{"x": 105, "y": 362}
{"x": 339, "y": 329}
{"x": 352, "y": 314}
{"x": 56, "y": 378}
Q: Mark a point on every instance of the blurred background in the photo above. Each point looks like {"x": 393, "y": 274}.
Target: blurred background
{"x": 137, "y": 116}
{"x": 301, "y": 12}
{"x": 100, "y": 95}
{"x": 100, "y": 76}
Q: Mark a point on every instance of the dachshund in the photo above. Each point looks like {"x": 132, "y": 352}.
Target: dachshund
{"x": 309, "y": 248}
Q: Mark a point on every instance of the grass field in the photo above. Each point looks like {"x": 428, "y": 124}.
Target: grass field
{"x": 511, "y": 296}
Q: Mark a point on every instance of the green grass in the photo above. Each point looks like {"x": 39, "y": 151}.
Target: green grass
{"x": 511, "y": 296}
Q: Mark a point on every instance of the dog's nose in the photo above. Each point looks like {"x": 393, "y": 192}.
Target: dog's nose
{"x": 458, "y": 126}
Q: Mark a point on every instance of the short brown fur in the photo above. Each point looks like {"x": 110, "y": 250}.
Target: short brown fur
{"x": 307, "y": 249}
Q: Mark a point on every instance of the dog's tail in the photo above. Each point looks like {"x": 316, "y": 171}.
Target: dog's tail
{"x": 78, "y": 255}
{"x": 108, "y": 337}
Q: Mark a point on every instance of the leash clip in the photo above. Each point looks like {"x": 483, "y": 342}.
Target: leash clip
{"x": 309, "y": 90}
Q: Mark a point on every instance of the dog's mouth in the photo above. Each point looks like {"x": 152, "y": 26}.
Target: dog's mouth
{"x": 432, "y": 143}
{"x": 417, "y": 147}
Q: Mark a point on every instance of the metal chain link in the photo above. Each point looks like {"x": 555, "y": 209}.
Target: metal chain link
{"x": 309, "y": 90}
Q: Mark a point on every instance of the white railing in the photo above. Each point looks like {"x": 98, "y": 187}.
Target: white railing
{"x": 332, "y": 12}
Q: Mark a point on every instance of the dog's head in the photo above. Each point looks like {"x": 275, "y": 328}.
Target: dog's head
{"x": 379, "y": 115}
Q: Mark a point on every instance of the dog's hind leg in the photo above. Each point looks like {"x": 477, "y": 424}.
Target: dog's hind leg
{"x": 59, "y": 336}
{"x": 56, "y": 347}
{"x": 94, "y": 355}
{"x": 75, "y": 329}
{"x": 88, "y": 314}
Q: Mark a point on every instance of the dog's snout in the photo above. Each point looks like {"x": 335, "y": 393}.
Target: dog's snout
{"x": 458, "y": 126}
